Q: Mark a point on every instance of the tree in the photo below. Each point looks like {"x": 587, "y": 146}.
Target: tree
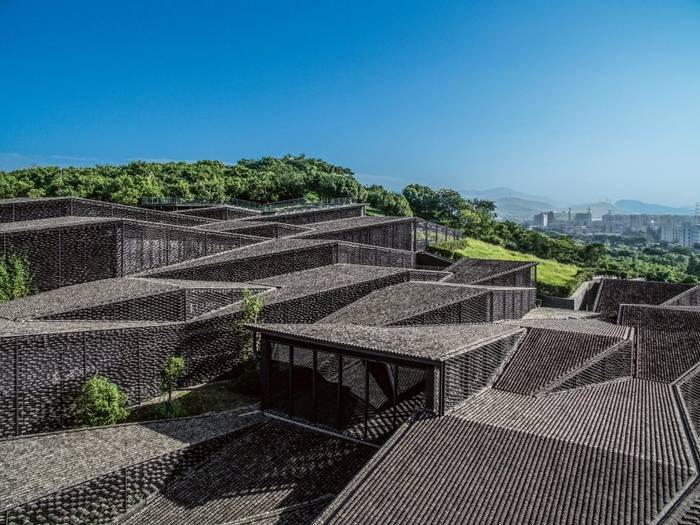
{"x": 387, "y": 202}
{"x": 248, "y": 381}
{"x": 171, "y": 372}
{"x": 15, "y": 277}
{"x": 252, "y": 305}
{"x": 100, "y": 402}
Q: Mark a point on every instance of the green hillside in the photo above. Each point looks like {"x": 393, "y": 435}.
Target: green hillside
{"x": 553, "y": 278}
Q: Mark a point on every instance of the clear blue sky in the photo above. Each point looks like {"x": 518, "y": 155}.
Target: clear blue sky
{"x": 579, "y": 101}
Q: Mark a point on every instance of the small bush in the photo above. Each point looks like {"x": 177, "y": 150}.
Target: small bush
{"x": 100, "y": 402}
{"x": 252, "y": 307}
{"x": 169, "y": 409}
{"x": 15, "y": 277}
{"x": 171, "y": 372}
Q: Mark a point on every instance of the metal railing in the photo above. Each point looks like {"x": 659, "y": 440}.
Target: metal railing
{"x": 292, "y": 204}
{"x": 428, "y": 233}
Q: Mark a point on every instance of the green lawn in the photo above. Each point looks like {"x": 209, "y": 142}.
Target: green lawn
{"x": 554, "y": 278}
{"x": 210, "y": 397}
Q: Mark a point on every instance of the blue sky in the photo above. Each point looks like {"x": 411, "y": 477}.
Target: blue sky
{"x": 576, "y": 100}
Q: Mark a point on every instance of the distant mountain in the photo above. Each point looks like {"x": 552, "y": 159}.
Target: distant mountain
{"x": 637, "y": 207}
{"x": 495, "y": 194}
{"x": 598, "y": 209}
{"x": 517, "y": 209}
{"x": 519, "y": 206}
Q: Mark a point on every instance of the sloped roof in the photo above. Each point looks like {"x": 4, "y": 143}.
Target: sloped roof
{"x": 546, "y": 356}
{"x": 103, "y": 292}
{"x": 614, "y": 292}
{"x": 401, "y": 301}
{"x": 668, "y": 340}
{"x": 583, "y": 326}
{"x": 351, "y": 223}
{"x": 503, "y": 458}
{"x": 266, "y": 247}
{"x": 474, "y": 271}
{"x": 426, "y": 343}
{"x": 53, "y": 223}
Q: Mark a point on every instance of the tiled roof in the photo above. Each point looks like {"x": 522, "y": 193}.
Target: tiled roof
{"x": 667, "y": 341}
{"x": 584, "y": 326}
{"x": 474, "y": 271}
{"x": 546, "y": 356}
{"x": 614, "y": 292}
{"x": 36, "y": 465}
{"x": 504, "y": 458}
{"x": 432, "y": 343}
{"x": 352, "y": 223}
{"x": 54, "y": 222}
{"x": 401, "y": 301}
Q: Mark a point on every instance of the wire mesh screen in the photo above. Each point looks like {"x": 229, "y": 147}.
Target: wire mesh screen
{"x": 472, "y": 310}
{"x": 689, "y": 298}
{"x": 351, "y": 253}
{"x": 509, "y": 303}
{"x": 388, "y": 235}
{"x": 34, "y": 209}
{"x": 61, "y": 256}
{"x": 615, "y": 365}
{"x": 310, "y": 216}
{"x": 147, "y": 246}
{"x": 471, "y": 371}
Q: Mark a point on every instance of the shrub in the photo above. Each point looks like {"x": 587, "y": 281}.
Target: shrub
{"x": 171, "y": 372}
{"x": 252, "y": 306}
{"x": 15, "y": 277}
{"x": 100, "y": 402}
{"x": 169, "y": 409}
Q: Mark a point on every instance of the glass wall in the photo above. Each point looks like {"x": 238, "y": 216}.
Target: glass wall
{"x": 365, "y": 399}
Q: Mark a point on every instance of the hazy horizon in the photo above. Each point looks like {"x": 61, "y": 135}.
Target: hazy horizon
{"x": 578, "y": 102}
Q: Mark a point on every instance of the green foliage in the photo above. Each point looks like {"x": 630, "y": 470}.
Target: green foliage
{"x": 100, "y": 402}
{"x": 15, "y": 277}
{"x": 169, "y": 409}
{"x": 553, "y": 278}
{"x": 264, "y": 180}
{"x": 171, "y": 372}
{"x": 387, "y": 202}
{"x": 271, "y": 179}
{"x": 252, "y": 306}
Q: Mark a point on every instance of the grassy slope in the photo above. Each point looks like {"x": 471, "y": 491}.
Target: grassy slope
{"x": 549, "y": 273}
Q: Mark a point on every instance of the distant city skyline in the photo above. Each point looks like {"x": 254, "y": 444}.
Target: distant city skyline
{"x": 577, "y": 101}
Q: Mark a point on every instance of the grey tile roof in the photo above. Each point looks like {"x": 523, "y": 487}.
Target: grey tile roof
{"x": 614, "y": 292}
{"x": 324, "y": 278}
{"x": 18, "y": 328}
{"x": 428, "y": 343}
{"x": 267, "y": 475}
{"x": 350, "y": 223}
{"x": 546, "y": 356}
{"x": 106, "y": 291}
{"x": 505, "y": 458}
{"x": 474, "y": 271}
{"x": 53, "y": 222}
{"x": 263, "y": 248}
{"x": 401, "y": 301}
{"x": 37, "y": 465}
{"x": 668, "y": 340}
{"x": 583, "y": 326}
{"x": 544, "y": 312}
{"x": 81, "y": 295}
